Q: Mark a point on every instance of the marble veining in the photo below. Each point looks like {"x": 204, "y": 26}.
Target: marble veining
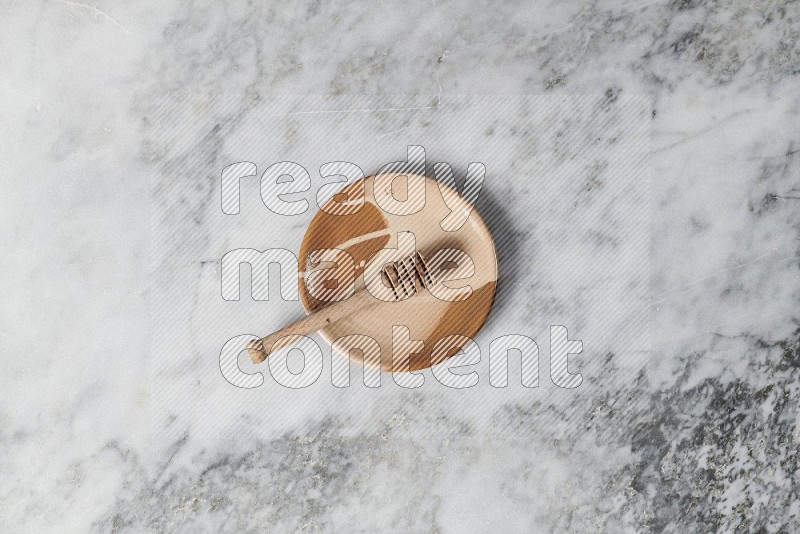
{"x": 110, "y": 108}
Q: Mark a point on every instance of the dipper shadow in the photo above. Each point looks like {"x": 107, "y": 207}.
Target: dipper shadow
{"x": 508, "y": 240}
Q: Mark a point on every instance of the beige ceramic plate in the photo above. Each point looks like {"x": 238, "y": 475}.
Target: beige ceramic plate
{"x": 367, "y": 230}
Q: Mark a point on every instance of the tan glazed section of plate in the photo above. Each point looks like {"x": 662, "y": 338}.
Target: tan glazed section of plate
{"x": 370, "y": 229}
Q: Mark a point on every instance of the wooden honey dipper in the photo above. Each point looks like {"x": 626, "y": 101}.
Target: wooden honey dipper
{"x": 405, "y": 278}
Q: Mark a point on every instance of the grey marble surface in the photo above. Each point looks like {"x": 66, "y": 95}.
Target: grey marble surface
{"x": 117, "y": 119}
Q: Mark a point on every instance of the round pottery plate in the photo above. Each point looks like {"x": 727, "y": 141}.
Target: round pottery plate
{"x": 354, "y": 222}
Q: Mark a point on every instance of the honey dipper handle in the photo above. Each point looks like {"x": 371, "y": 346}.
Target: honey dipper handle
{"x": 259, "y": 349}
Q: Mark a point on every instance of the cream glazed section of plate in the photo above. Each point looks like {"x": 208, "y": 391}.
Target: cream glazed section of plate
{"x": 355, "y": 222}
